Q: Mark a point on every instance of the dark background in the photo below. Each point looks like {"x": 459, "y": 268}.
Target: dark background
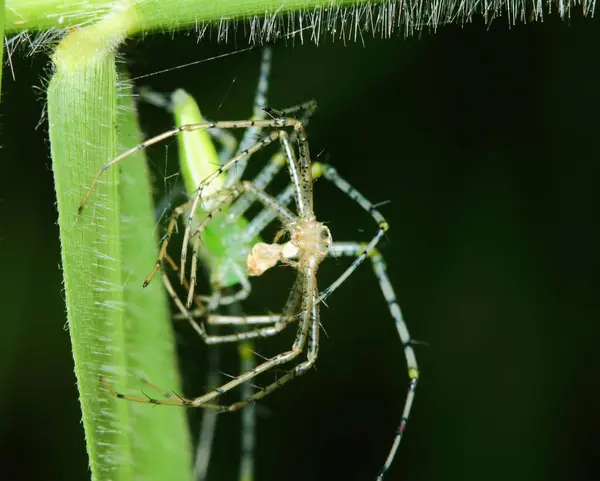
{"x": 485, "y": 140}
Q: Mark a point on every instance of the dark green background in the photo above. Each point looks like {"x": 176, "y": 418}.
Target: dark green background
{"x": 485, "y": 140}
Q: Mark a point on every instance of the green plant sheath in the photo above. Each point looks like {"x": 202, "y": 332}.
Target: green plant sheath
{"x": 118, "y": 329}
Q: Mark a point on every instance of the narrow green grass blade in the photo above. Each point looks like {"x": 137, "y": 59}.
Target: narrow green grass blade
{"x": 116, "y": 328}
{"x": 82, "y": 118}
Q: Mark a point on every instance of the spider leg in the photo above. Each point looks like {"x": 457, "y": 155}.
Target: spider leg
{"x": 226, "y": 167}
{"x": 209, "y": 421}
{"x": 217, "y": 298}
{"x": 261, "y": 181}
{"x": 173, "y": 400}
{"x": 230, "y": 320}
{"x": 299, "y": 171}
{"x": 354, "y": 249}
{"x": 209, "y": 417}
{"x": 276, "y": 322}
{"x": 247, "y": 362}
{"x": 243, "y": 187}
{"x": 227, "y": 124}
{"x": 266, "y": 216}
{"x": 228, "y": 143}
{"x": 331, "y": 174}
{"x": 298, "y": 370}
{"x": 258, "y": 113}
{"x": 233, "y": 194}
{"x": 242, "y": 293}
{"x": 266, "y": 175}
{"x": 177, "y": 212}
{"x": 307, "y": 107}
{"x": 307, "y": 288}
{"x": 279, "y": 321}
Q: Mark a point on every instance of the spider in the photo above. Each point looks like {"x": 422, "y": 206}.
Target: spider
{"x": 310, "y": 242}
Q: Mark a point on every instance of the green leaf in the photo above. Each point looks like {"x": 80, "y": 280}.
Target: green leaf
{"x": 118, "y": 330}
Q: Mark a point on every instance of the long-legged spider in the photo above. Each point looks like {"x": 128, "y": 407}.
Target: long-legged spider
{"x": 310, "y": 242}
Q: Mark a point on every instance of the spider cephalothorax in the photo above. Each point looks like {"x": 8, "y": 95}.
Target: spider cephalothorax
{"x": 311, "y": 237}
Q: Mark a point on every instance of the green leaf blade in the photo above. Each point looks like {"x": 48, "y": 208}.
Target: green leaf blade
{"x": 119, "y": 331}
{"x": 82, "y": 105}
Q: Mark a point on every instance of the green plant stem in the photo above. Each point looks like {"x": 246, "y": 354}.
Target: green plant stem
{"x": 150, "y": 14}
{"x": 118, "y": 330}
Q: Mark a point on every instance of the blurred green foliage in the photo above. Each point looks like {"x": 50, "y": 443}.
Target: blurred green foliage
{"x": 485, "y": 142}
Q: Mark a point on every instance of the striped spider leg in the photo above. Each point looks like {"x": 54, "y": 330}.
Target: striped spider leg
{"x": 361, "y": 252}
{"x": 264, "y": 256}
